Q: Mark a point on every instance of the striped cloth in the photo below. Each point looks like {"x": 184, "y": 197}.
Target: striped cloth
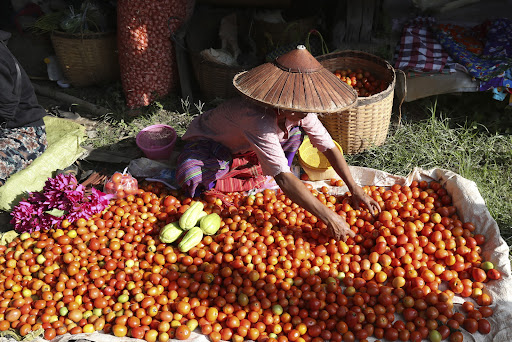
{"x": 245, "y": 174}
{"x": 206, "y": 164}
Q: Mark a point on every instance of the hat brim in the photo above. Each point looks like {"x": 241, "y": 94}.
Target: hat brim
{"x": 318, "y": 91}
{"x": 4, "y": 35}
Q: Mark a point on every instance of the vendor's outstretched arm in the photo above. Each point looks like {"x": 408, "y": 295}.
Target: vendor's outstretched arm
{"x": 340, "y": 165}
{"x": 298, "y": 193}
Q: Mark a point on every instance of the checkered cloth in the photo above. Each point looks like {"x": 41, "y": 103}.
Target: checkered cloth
{"x": 420, "y": 51}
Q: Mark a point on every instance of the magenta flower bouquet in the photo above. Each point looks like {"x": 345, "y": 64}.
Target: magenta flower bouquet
{"x": 62, "y": 198}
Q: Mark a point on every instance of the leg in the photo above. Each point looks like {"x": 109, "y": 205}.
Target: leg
{"x": 200, "y": 165}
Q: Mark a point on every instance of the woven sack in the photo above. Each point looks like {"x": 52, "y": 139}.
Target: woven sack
{"x": 87, "y": 59}
{"x": 147, "y": 55}
{"x": 366, "y": 124}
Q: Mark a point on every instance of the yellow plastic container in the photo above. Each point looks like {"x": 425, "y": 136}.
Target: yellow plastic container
{"x": 314, "y": 162}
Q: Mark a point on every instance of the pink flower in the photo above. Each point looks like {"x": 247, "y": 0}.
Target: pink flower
{"x": 63, "y": 193}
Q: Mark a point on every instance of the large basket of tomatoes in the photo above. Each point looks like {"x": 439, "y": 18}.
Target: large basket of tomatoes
{"x": 367, "y": 123}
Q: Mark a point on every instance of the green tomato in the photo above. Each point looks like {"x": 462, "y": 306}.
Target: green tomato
{"x": 243, "y": 299}
{"x": 40, "y": 259}
{"x": 24, "y": 236}
{"x": 487, "y": 265}
{"x": 123, "y": 298}
{"x": 330, "y": 280}
{"x": 434, "y": 336}
{"x": 277, "y": 309}
{"x": 63, "y": 311}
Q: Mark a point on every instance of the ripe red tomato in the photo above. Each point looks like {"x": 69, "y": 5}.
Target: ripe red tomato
{"x": 116, "y": 177}
{"x": 494, "y": 274}
{"x": 478, "y": 274}
{"x": 456, "y": 336}
{"x": 182, "y": 332}
{"x": 484, "y": 326}
{"x": 471, "y": 325}
{"x": 456, "y": 285}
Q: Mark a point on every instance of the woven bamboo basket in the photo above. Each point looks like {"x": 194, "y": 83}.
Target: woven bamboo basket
{"x": 87, "y": 59}
{"x": 215, "y": 79}
{"x": 367, "y": 123}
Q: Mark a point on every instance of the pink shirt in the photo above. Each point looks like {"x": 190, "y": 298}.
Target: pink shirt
{"x": 242, "y": 126}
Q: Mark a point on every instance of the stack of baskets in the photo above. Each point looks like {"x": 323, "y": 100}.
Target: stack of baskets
{"x": 367, "y": 123}
{"x": 87, "y": 59}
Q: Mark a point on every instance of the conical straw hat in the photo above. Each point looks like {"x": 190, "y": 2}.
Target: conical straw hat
{"x": 296, "y": 81}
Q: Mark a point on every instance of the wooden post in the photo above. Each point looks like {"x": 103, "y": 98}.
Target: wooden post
{"x": 354, "y": 17}
{"x": 368, "y": 12}
{"x": 69, "y": 99}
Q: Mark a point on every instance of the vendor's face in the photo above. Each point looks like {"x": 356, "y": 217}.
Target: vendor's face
{"x": 291, "y": 115}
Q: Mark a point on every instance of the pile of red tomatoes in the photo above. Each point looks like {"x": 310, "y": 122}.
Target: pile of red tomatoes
{"x": 271, "y": 273}
{"x": 362, "y": 81}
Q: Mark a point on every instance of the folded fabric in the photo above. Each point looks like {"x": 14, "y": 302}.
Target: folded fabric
{"x": 419, "y": 49}
{"x": 245, "y": 174}
{"x": 499, "y": 39}
{"x": 496, "y": 56}
{"x": 473, "y": 38}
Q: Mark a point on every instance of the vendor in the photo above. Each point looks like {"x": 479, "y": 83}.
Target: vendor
{"x": 232, "y": 147}
{"x": 22, "y": 131}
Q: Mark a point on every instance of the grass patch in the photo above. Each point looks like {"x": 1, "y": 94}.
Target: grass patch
{"x": 177, "y": 113}
{"x": 469, "y": 149}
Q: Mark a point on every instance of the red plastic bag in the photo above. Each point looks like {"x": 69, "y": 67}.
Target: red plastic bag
{"x": 121, "y": 184}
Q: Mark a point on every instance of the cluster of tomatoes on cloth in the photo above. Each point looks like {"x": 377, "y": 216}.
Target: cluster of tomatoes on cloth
{"x": 271, "y": 273}
{"x": 362, "y": 81}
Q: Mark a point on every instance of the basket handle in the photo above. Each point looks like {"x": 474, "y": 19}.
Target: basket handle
{"x": 325, "y": 48}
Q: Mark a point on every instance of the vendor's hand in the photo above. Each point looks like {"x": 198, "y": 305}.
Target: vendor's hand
{"x": 360, "y": 197}
{"x": 339, "y": 228}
